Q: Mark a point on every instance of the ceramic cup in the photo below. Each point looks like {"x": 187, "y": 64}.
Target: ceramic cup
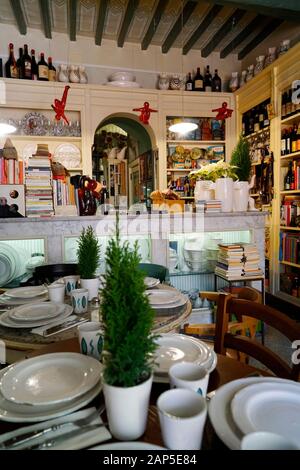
{"x": 189, "y": 375}
{"x": 266, "y": 441}
{"x": 70, "y": 283}
{"x": 56, "y": 293}
{"x": 80, "y": 300}
{"x": 90, "y": 335}
{"x": 182, "y": 415}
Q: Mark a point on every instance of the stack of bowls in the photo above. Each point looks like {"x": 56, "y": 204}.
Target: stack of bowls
{"x": 123, "y": 79}
{"x": 195, "y": 256}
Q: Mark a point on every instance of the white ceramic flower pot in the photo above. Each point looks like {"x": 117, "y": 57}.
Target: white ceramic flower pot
{"x": 92, "y": 285}
{"x": 127, "y": 409}
{"x": 240, "y": 196}
{"x": 224, "y": 193}
{"x": 203, "y": 191}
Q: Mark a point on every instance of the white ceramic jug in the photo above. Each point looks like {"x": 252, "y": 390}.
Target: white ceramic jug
{"x": 82, "y": 74}
{"x": 204, "y": 190}
{"x": 73, "y": 74}
{"x": 224, "y": 193}
{"x": 241, "y": 194}
{"x": 63, "y": 73}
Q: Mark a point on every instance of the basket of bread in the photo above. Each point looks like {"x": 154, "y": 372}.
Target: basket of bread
{"x": 167, "y": 200}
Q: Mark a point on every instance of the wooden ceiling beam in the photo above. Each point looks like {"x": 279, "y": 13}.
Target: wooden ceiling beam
{"x": 19, "y": 15}
{"x": 221, "y": 33}
{"x": 201, "y": 28}
{"x": 263, "y": 34}
{"x": 46, "y": 17}
{"x": 100, "y": 21}
{"x": 129, "y": 14}
{"x": 154, "y": 23}
{"x": 242, "y": 36}
{"x": 72, "y": 19}
{"x": 188, "y": 9}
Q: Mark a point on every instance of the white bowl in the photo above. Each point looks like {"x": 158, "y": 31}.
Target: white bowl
{"x": 194, "y": 255}
{"x": 122, "y": 76}
{"x": 266, "y": 441}
{"x": 123, "y": 84}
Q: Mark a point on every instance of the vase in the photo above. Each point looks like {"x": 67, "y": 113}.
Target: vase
{"x": 241, "y": 194}
{"x": 234, "y": 82}
{"x": 163, "y": 82}
{"x": 73, "y": 74}
{"x": 284, "y": 46}
{"x": 82, "y": 74}
{"x": 260, "y": 60}
{"x": 203, "y": 191}
{"x": 92, "y": 285}
{"x": 250, "y": 73}
{"x": 243, "y": 78}
{"x": 175, "y": 82}
{"x": 127, "y": 409}
{"x": 271, "y": 56}
{"x": 63, "y": 73}
{"x": 224, "y": 193}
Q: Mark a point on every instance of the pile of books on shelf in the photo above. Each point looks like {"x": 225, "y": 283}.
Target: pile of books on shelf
{"x": 212, "y": 205}
{"x": 38, "y": 181}
{"x": 63, "y": 192}
{"x": 290, "y": 211}
{"x": 238, "y": 261}
{"x": 289, "y": 248}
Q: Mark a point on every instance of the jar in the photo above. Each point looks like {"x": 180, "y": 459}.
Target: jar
{"x": 260, "y": 60}
{"x": 271, "y": 56}
{"x": 243, "y": 78}
{"x": 163, "y": 81}
{"x": 284, "y": 46}
{"x": 234, "y": 82}
{"x": 250, "y": 73}
{"x": 175, "y": 82}
{"x": 182, "y": 79}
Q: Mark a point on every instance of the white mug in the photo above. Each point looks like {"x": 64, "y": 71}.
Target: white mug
{"x": 56, "y": 293}
{"x": 182, "y": 415}
{"x": 80, "y": 300}
{"x": 189, "y": 375}
{"x": 90, "y": 335}
{"x": 70, "y": 283}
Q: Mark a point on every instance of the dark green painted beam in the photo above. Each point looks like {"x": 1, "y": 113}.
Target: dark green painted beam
{"x": 264, "y": 33}
{"x": 100, "y": 21}
{"x": 129, "y": 14}
{"x": 221, "y": 33}
{"x": 188, "y": 9}
{"x": 288, "y": 10}
{"x": 46, "y": 17}
{"x": 19, "y": 15}
{"x": 201, "y": 28}
{"x": 72, "y": 19}
{"x": 154, "y": 23}
{"x": 242, "y": 36}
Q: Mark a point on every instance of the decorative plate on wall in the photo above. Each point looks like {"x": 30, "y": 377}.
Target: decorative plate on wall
{"x": 68, "y": 155}
{"x": 33, "y": 124}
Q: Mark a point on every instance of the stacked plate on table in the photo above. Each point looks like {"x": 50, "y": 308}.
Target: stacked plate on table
{"x": 151, "y": 282}
{"x": 23, "y": 295}
{"x": 48, "y": 386}
{"x": 253, "y": 405}
{"x": 167, "y": 301}
{"x": 174, "y": 348}
{"x": 33, "y": 315}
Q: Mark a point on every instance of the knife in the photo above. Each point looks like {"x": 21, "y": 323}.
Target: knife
{"x": 64, "y": 326}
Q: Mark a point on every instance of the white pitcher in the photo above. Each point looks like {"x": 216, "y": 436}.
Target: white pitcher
{"x": 224, "y": 193}
{"x": 241, "y": 194}
{"x": 204, "y": 190}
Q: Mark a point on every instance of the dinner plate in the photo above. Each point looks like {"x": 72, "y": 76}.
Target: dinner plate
{"x": 268, "y": 407}
{"x": 11, "y": 301}
{"x": 15, "y": 413}
{"x": 219, "y": 409}
{"x": 163, "y": 297}
{"x": 26, "y": 292}
{"x": 5, "y": 319}
{"x": 131, "y": 445}
{"x": 38, "y": 311}
{"x": 151, "y": 282}
{"x": 182, "y": 300}
{"x": 50, "y": 378}
{"x": 174, "y": 348}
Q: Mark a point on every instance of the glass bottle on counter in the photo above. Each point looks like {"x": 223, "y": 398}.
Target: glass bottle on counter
{"x": 198, "y": 81}
{"x": 19, "y": 63}
{"x": 189, "y": 83}
{"x": 43, "y": 69}
{"x": 34, "y": 67}
{"x": 216, "y": 82}
{"x": 207, "y": 80}
{"x": 26, "y": 64}
{"x": 11, "y": 70}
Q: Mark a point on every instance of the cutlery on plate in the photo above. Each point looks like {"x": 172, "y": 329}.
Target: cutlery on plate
{"x": 63, "y": 326}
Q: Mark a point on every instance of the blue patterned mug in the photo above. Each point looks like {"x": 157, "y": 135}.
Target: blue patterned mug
{"x": 80, "y": 300}
{"x": 90, "y": 335}
{"x": 70, "y": 283}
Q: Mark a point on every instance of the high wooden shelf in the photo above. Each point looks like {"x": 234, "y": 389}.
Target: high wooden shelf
{"x": 291, "y": 155}
{"x": 291, "y": 119}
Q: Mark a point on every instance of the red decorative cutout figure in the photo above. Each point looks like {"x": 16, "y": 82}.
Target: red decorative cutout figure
{"x": 145, "y": 112}
{"x": 223, "y": 113}
{"x": 59, "y": 106}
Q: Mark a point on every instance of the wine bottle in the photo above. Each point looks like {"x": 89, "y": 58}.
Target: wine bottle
{"x": 289, "y": 141}
{"x": 289, "y": 103}
{"x": 19, "y": 63}
{"x": 51, "y": 70}
{"x": 207, "y": 80}
{"x": 198, "y": 81}
{"x": 26, "y": 64}
{"x": 289, "y": 178}
{"x": 189, "y": 83}
{"x": 298, "y": 138}
{"x": 216, "y": 83}
{"x": 294, "y": 139}
{"x": 42, "y": 69}
{"x": 256, "y": 119}
{"x": 11, "y": 70}
{"x": 283, "y": 142}
{"x": 34, "y": 67}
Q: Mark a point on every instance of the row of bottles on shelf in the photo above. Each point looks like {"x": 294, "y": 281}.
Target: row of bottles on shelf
{"x": 26, "y": 67}
{"x": 290, "y": 283}
{"x": 183, "y": 186}
{"x": 292, "y": 177}
{"x": 290, "y": 101}
{"x": 256, "y": 119}
{"x": 290, "y": 140}
{"x": 206, "y": 83}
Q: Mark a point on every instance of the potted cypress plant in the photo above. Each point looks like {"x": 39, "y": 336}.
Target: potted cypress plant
{"x": 240, "y": 158}
{"x": 88, "y": 253}
{"x": 128, "y": 344}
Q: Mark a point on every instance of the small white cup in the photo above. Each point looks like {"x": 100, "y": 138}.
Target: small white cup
{"x": 189, "y": 375}
{"x": 90, "y": 335}
{"x": 182, "y": 415}
{"x": 70, "y": 283}
{"x": 80, "y": 300}
{"x": 56, "y": 293}
{"x": 263, "y": 440}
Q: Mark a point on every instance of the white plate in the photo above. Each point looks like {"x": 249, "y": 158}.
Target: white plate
{"x": 5, "y": 319}
{"x": 182, "y": 300}
{"x": 163, "y": 297}
{"x": 26, "y": 292}
{"x": 38, "y": 311}
{"x": 51, "y": 378}
{"x": 269, "y": 407}
{"x": 123, "y": 84}
{"x": 219, "y": 409}
{"x": 151, "y": 282}
{"x": 13, "y": 302}
{"x": 131, "y": 445}
{"x": 15, "y": 413}
{"x": 177, "y": 348}
{"x": 68, "y": 155}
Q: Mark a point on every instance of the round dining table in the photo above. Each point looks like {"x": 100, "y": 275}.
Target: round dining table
{"x": 227, "y": 369}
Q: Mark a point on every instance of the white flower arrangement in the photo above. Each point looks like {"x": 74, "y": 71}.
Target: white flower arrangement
{"x": 213, "y": 171}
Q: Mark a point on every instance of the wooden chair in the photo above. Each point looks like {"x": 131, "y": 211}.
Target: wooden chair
{"x": 228, "y": 305}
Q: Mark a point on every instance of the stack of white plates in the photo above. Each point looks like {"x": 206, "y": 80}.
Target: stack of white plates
{"x": 151, "y": 282}
{"x": 48, "y": 386}
{"x": 24, "y": 295}
{"x": 253, "y": 405}
{"x": 174, "y": 348}
{"x": 33, "y": 315}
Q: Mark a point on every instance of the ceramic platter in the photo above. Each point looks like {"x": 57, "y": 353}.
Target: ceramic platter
{"x": 161, "y": 297}
{"x": 33, "y": 124}
{"x": 38, "y": 311}
{"x": 151, "y": 282}
{"x": 9, "y": 322}
{"x": 26, "y": 292}
{"x": 123, "y": 84}
{"x": 68, "y": 155}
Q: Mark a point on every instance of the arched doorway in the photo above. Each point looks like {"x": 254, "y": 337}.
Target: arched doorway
{"x": 124, "y": 156}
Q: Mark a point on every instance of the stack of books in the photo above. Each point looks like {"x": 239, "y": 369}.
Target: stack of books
{"x": 238, "y": 261}
{"x": 63, "y": 192}
{"x": 38, "y": 191}
{"x": 213, "y": 205}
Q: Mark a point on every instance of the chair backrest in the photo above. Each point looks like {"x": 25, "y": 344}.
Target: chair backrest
{"x": 51, "y": 272}
{"x": 155, "y": 270}
{"x": 228, "y": 305}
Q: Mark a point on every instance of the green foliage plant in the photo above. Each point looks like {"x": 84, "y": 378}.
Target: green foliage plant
{"x": 127, "y": 317}
{"x": 88, "y": 253}
{"x": 240, "y": 158}
{"x": 213, "y": 171}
